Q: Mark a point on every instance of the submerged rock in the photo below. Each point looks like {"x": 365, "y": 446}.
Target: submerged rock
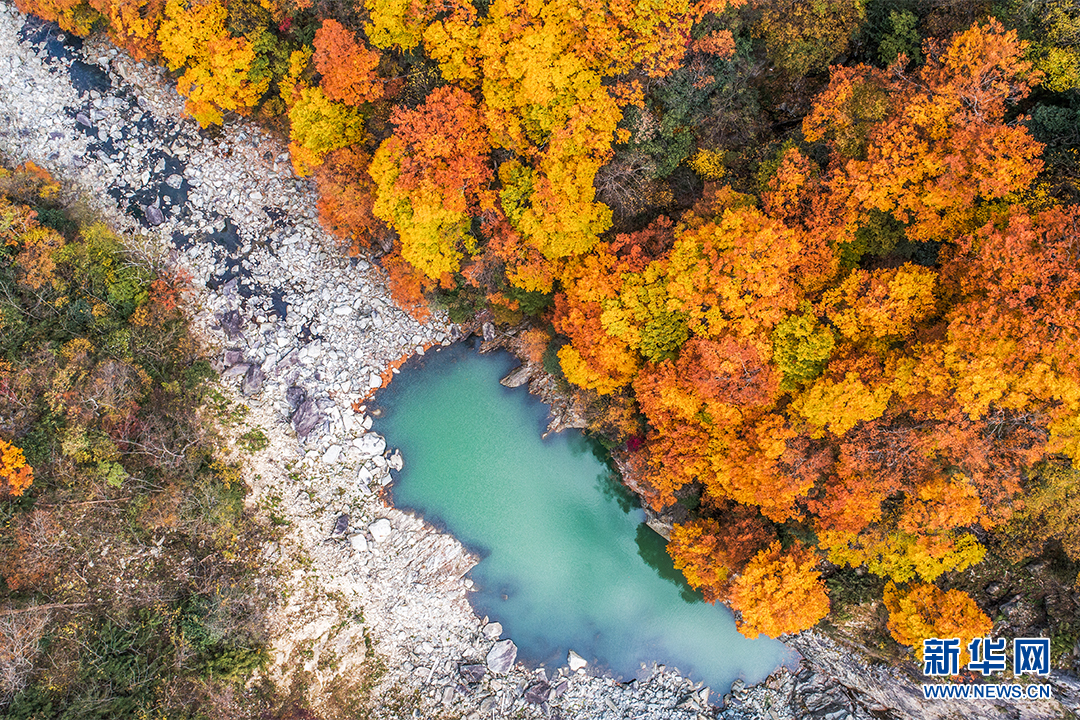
{"x": 154, "y": 216}
{"x": 501, "y": 657}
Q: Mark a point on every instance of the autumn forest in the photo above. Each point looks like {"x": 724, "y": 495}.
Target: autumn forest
{"x": 814, "y": 268}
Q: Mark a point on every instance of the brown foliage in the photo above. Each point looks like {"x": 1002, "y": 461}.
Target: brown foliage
{"x": 406, "y": 286}
{"x": 30, "y": 563}
{"x": 533, "y": 343}
{"x": 346, "y": 195}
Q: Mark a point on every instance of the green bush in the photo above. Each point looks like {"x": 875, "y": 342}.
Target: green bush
{"x": 901, "y": 37}
{"x": 254, "y": 441}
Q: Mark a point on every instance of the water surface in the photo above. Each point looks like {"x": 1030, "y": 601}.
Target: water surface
{"x": 568, "y": 562}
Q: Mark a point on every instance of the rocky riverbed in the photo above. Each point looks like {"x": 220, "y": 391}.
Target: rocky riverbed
{"x": 373, "y": 600}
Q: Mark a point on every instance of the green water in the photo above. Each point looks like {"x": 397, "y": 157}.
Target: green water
{"x": 567, "y": 561}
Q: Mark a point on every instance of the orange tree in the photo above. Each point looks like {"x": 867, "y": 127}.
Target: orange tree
{"x": 888, "y": 408}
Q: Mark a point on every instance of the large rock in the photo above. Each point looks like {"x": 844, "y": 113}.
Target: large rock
{"x": 370, "y": 445}
{"x": 306, "y": 418}
{"x": 537, "y": 693}
{"x": 501, "y": 657}
{"x": 232, "y": 323}
{"x": 576, "y": 662}
{"x": 252, "y": 382}
{"x": 817, "y": 697}
{"x": 236, "y": 371}
{"x": 341, "y": 525}
{"x": 493, "y": 630}
{"x": 517, "y": 377}
{"x": 472, "y": 673}
{"x": 295, "y": 395}
{"x": 839, "y": 680}
{"x": 380, "y": 529}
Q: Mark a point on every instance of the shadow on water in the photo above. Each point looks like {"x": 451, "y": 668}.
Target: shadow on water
{"x": 611, "y": 487}
{"x": 609, "y": 483}
{"x": 653, "y": 550}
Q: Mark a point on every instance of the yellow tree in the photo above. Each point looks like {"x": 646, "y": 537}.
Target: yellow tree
{"x": 216, "y": 65}
{"x": 15, "y": 474}
{"x": 779, "y": 592}
{"x": 923, "y": 611}
{"x": 317, "y": 126}
{"x": 595, "y": 358}
{"x": 543, "y": 72}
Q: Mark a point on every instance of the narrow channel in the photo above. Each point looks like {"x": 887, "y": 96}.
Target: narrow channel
{"x": 568, "y": 562}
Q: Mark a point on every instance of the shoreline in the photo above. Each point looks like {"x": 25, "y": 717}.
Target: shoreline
{"x": 380, "y": 611}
